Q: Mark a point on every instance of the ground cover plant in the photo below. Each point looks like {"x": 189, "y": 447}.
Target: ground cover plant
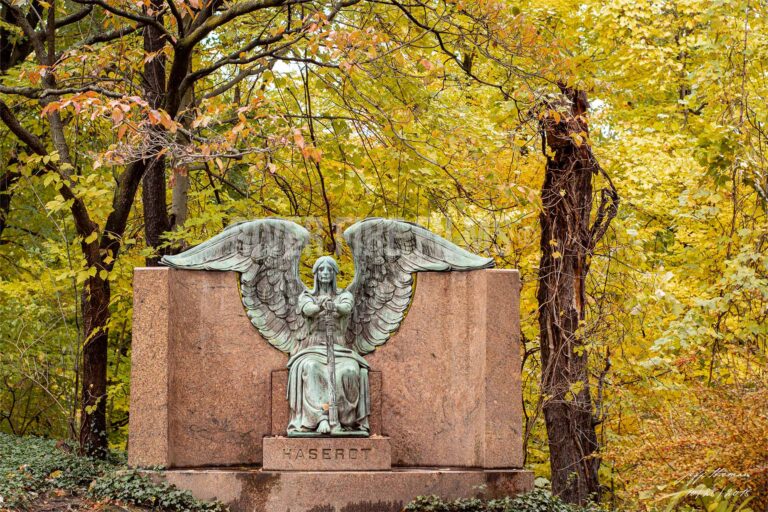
{"x": 36, "y": 471}
{"x": 539, "y": 500}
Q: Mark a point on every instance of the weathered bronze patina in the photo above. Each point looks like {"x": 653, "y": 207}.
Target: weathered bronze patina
{"x": 327, "y": 331}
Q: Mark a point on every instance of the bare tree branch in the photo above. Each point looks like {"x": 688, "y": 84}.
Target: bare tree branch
{"x": 34, "y": 93}
{"x": 74, "y": 17}
{"x": 228, "y": 15}
{"x": 104, "y": 37}
{"x": 140, "y": 18}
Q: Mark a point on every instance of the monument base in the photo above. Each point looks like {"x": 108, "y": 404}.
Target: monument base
{"x": 257, "y": 490}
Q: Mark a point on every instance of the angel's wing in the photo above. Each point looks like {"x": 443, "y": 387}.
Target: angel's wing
{"x": 266, "y": 253}
{"x": 386, "y": 253}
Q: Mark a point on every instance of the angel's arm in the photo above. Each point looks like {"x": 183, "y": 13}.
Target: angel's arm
{"x": 344, "y": 304}
{"x": 307, "y": 306}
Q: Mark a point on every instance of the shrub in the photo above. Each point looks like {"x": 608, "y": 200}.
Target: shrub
{"x": 706, "y": 432}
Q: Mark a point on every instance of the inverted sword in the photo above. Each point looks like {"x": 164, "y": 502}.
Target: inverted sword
{"x": 333, "y": 410}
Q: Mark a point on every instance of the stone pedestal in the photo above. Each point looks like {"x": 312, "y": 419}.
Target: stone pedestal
{"x": 257, "y": 490}
{"x": 327, "y": 454}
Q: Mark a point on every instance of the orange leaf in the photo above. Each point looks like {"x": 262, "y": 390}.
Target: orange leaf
{"x": 117, "y": 116}
{"x": 298, "y": 138}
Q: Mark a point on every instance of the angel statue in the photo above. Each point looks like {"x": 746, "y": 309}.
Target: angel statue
{"x": 327, "y": 331}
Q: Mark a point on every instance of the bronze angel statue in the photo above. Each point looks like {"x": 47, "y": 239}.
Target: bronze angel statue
{"x": 326, "y": 331}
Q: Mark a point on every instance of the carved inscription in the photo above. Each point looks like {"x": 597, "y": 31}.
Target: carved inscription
{"x": 327, "y": 454}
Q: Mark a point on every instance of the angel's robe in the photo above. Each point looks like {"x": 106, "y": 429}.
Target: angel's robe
{"x": 308, "y": 375}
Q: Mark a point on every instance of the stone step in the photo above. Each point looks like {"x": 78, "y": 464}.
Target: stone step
{"x": 258, "y": 490}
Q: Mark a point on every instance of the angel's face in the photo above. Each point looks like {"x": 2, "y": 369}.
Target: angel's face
{"x": 325, "y": 273}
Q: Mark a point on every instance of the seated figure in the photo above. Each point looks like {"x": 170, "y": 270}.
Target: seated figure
{"x": 327, "y": 313}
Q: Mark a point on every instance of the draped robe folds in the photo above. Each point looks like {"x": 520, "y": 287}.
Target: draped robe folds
{"x": 308, "y": 375}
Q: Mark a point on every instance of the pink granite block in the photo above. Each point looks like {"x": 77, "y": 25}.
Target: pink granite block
{"x": 148, "y": 439}
{"x": 451, "y": 374}
{"x": 220, "y": 379}
{"x": 445, "y": 388}
{"x": 503, "y": 392}
{"x": 375, "y": 383}
{"x": 281, "y": 411}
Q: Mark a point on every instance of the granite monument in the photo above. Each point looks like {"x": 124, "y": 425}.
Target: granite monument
{"x": 437, "y": 411}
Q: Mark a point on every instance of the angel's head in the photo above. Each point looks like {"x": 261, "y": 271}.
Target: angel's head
{"x": 325, "y": 270}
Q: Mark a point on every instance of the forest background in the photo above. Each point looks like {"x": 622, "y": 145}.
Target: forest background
{"x": 132, "y": 129}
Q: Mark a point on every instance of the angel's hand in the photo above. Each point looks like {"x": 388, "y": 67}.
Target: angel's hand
{"x": 329, "y": 305}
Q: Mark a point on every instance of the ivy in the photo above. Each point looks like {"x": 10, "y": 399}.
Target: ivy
{"x": 32, "y": 468}
{"x": 539, "y": 500}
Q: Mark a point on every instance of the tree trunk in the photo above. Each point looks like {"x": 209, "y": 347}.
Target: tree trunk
{"x": 95, "y": 306}
{"x": 6, "y": 194}
{"x": 180, "y": 192}
{"x": 93, "y": 424}
{"x": 567, "y": 243}
{"x": 156, "y": 220}
{"x": 96, "y": 294}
